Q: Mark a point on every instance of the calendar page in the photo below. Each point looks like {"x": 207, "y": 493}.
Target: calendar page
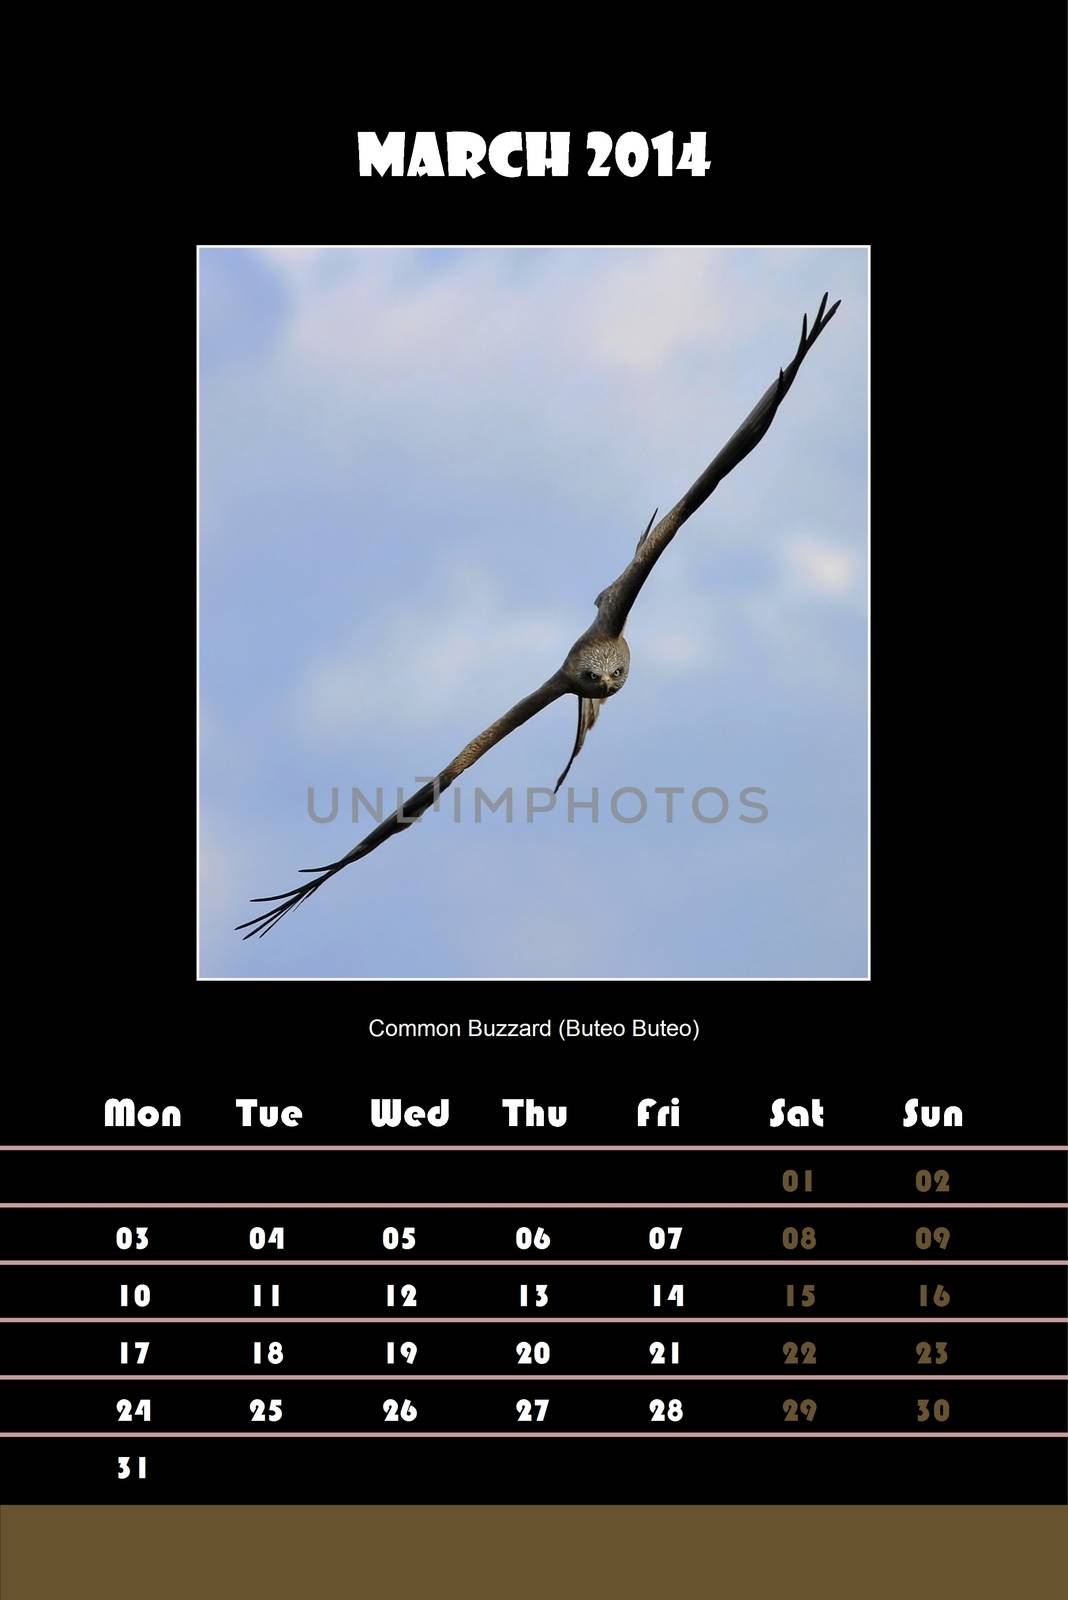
{"x": 611, "y": 1137}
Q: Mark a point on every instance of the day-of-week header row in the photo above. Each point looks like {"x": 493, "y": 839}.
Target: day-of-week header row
{"x": 515, "y": 1113}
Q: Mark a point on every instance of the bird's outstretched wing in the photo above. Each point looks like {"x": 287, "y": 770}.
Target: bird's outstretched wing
{"x": 412, "y": 809}
{"x": 587, "y": 716}
{"x": 614, "y": 603}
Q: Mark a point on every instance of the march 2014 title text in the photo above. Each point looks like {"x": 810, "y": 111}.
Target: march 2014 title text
{"x": 462, "y": 153}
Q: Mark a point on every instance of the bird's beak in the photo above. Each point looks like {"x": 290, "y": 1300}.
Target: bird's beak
{"x": 607, "y": 679}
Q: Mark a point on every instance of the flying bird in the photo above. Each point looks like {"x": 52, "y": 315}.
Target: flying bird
{"x": 596, "y": 666}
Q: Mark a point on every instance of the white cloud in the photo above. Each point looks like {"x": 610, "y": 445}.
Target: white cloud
{"x": 216, "y": 874}
{"x": 650, "y": 306}
{"x": 296, "y": 264}
{"x": 673, "y": 649}
{"x": 443, "y": 657}
{"x": 820, "y": 565}
{"x": 677, "y": 627}
{"x": 631, "y": 309}
{"x": 608, "y": 372}
{"x": 411, "y": 671}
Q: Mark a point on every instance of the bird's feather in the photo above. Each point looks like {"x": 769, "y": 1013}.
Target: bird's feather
{"x": 588, "y": 712}
{"x": 412, "y": 809}
{"x": 614, "y": 603}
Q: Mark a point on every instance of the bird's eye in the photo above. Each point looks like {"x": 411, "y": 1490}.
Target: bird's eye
{"x": 617, "y": 672}
{"x": 590, "y": 673}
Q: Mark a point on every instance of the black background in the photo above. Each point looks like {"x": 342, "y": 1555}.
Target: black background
{"x": 965, "y": 963}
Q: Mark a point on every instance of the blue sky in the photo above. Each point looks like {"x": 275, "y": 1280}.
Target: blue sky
{"x": 418, "y": 468}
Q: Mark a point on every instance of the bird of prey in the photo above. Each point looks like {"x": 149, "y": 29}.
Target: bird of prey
{"x": 598, "y": 662}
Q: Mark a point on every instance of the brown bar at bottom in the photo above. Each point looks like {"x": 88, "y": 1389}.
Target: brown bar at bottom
{"x": 516, "y": 1552}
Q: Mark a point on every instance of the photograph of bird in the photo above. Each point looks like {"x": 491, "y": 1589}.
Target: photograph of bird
{"x": 597, "y": 665}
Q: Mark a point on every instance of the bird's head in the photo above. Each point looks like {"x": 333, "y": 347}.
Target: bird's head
{"x": 597, "y": 668}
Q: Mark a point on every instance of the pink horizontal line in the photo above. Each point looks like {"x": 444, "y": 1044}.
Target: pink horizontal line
{"x": 509, "y": 1149}
{"x": 401, "y": 1261}
{"x": 399, "y": 1321}
{"x": 381, "y": 1433}
{"x": 525, "y": 1378}
{"x": 532, "y": 1205}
